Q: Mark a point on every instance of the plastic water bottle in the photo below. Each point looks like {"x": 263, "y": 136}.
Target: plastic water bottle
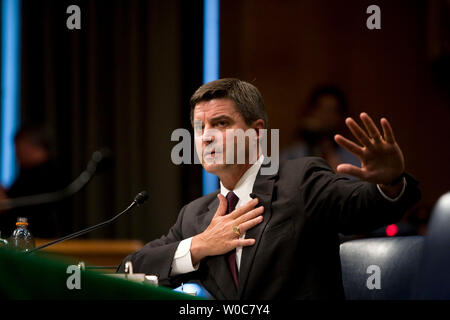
{"x": 21, "y": 238}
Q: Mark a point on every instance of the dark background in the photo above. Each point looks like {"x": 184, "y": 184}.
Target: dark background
{"x": 124, "y": 81}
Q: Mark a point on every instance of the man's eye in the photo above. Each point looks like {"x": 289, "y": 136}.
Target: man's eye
{"x": 221, "y": 123}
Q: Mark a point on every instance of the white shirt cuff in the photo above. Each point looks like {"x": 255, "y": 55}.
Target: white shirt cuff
{"x": 182, "y": 261}
{"x": 396, "y": 198}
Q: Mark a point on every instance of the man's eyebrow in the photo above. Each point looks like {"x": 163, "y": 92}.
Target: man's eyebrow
{"x": 221, "y": 117}
{"x": 214, "y": 119}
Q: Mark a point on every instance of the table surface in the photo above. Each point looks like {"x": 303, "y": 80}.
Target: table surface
{"x": 100, "y": 252}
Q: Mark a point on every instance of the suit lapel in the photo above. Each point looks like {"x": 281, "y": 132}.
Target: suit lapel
{"x": 263, "y": 189}
{"x": 218, "y": 265}
{"x": 204, "y": 219}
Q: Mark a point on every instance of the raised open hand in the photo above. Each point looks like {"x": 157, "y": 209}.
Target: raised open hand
{"x": 382, "y": 160}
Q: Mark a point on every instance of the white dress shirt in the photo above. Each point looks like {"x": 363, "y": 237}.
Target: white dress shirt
{"x": 182, "y": 262}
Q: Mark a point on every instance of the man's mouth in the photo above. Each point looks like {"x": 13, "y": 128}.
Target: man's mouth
{"x": 210, "y": 154}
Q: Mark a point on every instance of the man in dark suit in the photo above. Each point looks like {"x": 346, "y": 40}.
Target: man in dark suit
{"x": 274, "y": 236}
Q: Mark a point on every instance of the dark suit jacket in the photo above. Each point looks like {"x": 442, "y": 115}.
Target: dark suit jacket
{"x": 296, "y": 254}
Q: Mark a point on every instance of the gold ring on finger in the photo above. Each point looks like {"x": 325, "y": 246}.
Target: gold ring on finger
{"x": 237, "y": 231}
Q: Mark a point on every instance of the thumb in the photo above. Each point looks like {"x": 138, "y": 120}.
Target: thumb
{"x": 352, "y": 170}
{"x": 222, "y": 209}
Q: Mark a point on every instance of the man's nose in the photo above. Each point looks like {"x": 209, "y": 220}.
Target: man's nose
{"x": 208, "y": 136}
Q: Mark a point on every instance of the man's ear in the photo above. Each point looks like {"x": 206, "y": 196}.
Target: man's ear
{"x": 258, "y": 125}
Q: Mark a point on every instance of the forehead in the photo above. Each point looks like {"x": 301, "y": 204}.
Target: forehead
{"x": 216, "y": 107}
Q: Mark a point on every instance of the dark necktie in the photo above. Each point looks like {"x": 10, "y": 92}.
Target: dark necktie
{"x": 232, "y": 200}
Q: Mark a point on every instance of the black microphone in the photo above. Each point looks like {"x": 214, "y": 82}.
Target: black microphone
{"x": 97, "y": 158}
{"x": 140, "y": 198}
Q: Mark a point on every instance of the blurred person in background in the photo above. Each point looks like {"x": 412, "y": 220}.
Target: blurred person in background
{"x": 323, "y": 117}
{"x": 38, "y": 173}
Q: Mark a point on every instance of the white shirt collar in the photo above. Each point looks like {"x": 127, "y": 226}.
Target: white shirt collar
{"x": 245, "y": 184}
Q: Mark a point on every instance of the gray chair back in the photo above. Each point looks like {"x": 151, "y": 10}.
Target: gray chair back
{"x": 433, "y": 279}
{"x": 380, "y": 268}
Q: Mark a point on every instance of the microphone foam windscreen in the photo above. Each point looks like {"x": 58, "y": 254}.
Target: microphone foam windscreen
{"x": 141, "y": 197}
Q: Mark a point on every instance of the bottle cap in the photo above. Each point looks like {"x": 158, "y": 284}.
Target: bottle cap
{"x": 22, "y": 221}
